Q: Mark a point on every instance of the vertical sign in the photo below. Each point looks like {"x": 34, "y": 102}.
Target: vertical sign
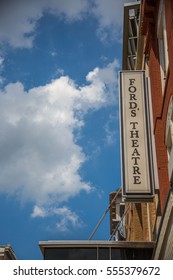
{"x": 137, "y": 164}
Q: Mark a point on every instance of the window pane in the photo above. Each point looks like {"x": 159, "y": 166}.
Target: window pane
{"x": 71, "y": 253}
{"x": 115, "y": 254}
{"x": 103, "y": 254}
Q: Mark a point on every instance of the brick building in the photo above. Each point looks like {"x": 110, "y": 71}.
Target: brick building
{"x": 7, "y": 253}
{"x": 145, "y": 220}
{"x": 148, "y": 45}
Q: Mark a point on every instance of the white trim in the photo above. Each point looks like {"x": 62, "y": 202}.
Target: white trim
{"x": 136, "y": 149}
{"x": 154, "y": 157}
{"x": 169, "y": 139}
{"x": 163, "y": 251}
{"x": 162, "y": 43}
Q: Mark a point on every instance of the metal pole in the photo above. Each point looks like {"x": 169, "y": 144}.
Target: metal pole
{"x": 103, "y": 216}
{"x": 119, "y": 222}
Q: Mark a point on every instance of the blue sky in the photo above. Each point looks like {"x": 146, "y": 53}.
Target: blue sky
{"x": 59, "y": 129}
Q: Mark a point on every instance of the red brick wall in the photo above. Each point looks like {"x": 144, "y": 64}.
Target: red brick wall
{"x": 160, "y": 100}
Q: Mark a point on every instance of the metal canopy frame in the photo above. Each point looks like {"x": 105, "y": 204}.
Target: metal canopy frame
{"x": 130, "y": 35}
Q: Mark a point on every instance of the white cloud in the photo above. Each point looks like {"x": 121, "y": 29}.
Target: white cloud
{"x": 1, "y": 67}
{"x": 110, "y": 132}
{"x": 60, "y": 71}
{"x": 66, "y": 219}
{"x": 19, "y": 19}
{"x": 1, "y": 80}
{"x": 39, "y": 212}
{"x": 101, "y": 81}
{"x": 53, "y": 53}
{"x": 109, "y": 12}
{"x": 110, "y": 17}
{"x": 71, "y": 10}
{"x": 40, "y": 159}
{"x": 1, "y": 61}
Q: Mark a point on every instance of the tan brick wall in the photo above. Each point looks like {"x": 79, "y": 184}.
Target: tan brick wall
{"x": 140, "y": 220}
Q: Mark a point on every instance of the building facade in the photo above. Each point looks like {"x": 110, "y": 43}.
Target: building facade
{"x": 148, "y": 46}
{"x": 7, "y": 253}
{"x": 95, "y": 250}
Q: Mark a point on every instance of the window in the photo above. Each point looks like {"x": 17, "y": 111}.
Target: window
{"x": 104, "y": 254}
{"x": 162, "y": 42}
{"x": 70, "y": 253}
{"x": 169, "y": 139}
